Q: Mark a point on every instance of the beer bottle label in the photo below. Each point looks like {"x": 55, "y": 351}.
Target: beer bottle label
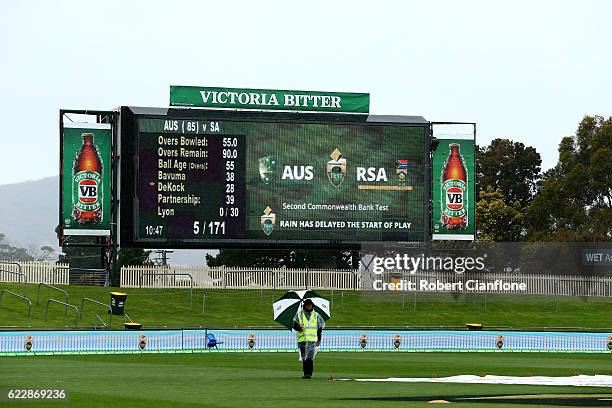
{"x": 86, "y": 196}
{"x": 453, "y": 198}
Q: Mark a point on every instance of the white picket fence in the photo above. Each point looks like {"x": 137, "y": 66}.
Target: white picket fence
{"x": 267, "y": 278}
{"x": 282, "y": 278}
{"x": 600, "y": 286}
{"x": 237, "y": 278}
{"x": 34, "y": 272}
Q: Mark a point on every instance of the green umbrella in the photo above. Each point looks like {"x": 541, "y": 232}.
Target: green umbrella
{"x": 287, "y": 306}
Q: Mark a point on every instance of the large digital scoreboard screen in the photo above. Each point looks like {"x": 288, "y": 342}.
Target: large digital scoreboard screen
{"x": 218, "y": 179}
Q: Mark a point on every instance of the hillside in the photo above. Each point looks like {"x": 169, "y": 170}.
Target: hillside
{"x": 29, "y": 215}
{"x": 29, "y": 212}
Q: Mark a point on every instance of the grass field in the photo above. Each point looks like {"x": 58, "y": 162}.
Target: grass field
{"x": 170, "y": 307}
{"x": 273, "y": 380}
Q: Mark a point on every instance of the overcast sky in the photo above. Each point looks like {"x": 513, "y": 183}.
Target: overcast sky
{"x": 528, "y": 70}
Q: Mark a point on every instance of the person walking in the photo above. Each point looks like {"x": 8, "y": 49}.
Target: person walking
{"x": 308, "y": 326}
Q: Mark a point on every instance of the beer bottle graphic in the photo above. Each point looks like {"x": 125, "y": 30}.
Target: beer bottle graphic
{"x": 454, "y": 191}
{"x": 87, "y": 183}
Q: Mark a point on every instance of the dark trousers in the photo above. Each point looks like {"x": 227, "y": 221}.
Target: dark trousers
{"x": 307, "y": 363}
{"x": 308, "y": 367}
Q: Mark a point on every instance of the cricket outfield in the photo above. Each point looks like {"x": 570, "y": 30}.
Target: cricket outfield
{"x": 214, "y": 379}
{"x": 273, "y": 379}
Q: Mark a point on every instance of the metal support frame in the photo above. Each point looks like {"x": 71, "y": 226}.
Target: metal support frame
{"x": 76, "y": 309}
{"x": 11, "y": 263}
{"x": 25, "y": 279}
{"x": 19, "y": 296}
{"x": 17, "y": 264}
{"x": 20, "y": 273}
{"x": 110, "y": 310}
{"x": 54, "y": 288}
{"x": 173, "y": 275}
{"x": 101, "y": 321}
{"x": 106, "y": 274}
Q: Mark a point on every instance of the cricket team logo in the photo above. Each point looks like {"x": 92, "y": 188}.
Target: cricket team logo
{"x": 142, "y": 342}
{"x": 401, "y": 170}
{"x": 27, "y": 344}
{"x": 267, "y": 167}
{"x": 499, "y": 342}
{"x": 267, "y": 221}
{"x": 397, "y": 341}
{"x": 363, "y": 340}
{"x": 251, "y": 340}
{"x": 610, "y": 343}
{"x": 336, "y": 168}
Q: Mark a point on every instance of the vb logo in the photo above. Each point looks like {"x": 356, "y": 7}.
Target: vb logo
{"x": 88, "y": 191}
{"x": 454, "y": 198}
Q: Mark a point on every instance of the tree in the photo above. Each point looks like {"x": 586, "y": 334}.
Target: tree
{"x": 334, "y": 259}
{"x": 127, "y": 256}
{"x": 12, "y": 253}
{"x": 575, "y": 201}
{"x": 132, "y": 256}
{"x": 498, "y": 221}
{"x": 44, "y": 253}
{"x": 511, "y": 167}
{"x": 83, "y": 257}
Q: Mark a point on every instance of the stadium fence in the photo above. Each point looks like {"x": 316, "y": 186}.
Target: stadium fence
{"x": 286, "y": 278}
{"x": 34, "y": 272}
{"x": 267, "y": 278}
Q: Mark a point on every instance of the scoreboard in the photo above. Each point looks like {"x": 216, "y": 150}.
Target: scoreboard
{"x": 222, "y": 179}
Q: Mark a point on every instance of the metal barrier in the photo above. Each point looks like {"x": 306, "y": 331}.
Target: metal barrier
{"x": 110, "y": 310}
{"x": 17, "y": 264}
{"x": 19, "y": 296}
{"x": 101, "y": 321}
{"x": 54, "y": 288}
{"x": 76, "y": 314}
{"x": 88, "y": 276}
{"x": 21, "y": 274}
{"x": 174, "y": 275}
{"x": 25, "y": 279}
{"x": 36, "y": 272}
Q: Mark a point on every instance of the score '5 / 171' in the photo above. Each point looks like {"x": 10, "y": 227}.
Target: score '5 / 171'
{"x": 212, "y": 228}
